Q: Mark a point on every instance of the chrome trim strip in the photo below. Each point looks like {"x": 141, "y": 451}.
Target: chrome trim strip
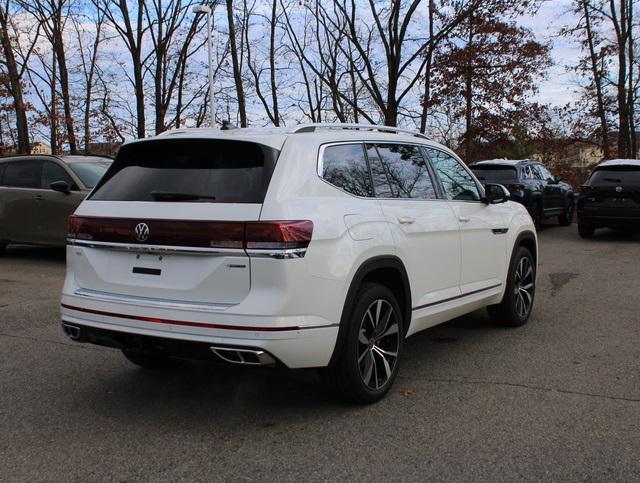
{"x": 151, "y": 302}
{"x": 134, "y": 247}
{"x": 280, "y": 254}
{"x": 457, "y": 297}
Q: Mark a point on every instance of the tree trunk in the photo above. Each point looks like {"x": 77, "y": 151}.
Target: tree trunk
{"x": 236, "y": 65}
{"x": 468, "y": 145}
{"x": 14, "y": 86}
{"x": 597, "y": 80}
{"x": 272, "y": 63}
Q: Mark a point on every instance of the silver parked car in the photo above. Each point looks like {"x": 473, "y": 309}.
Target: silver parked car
{"x": 39, "y": 192}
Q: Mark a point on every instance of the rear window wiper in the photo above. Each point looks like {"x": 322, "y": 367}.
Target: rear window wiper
{"x": 173, "y": 196}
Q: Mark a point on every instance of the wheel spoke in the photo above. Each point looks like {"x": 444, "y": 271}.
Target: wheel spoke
{"x": 382, "y": 327}
{"x": 393, "y": 329}
{"x": 375, "y": 369}
{"x": 362, "y": 356}
{"x": 387, "y": 368}
{"x": 368, "y": 368}
{"x": 362, "y": 338}
{"x": 384, "y": 353}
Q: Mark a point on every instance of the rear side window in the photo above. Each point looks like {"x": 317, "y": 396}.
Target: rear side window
{"x": 617, "y": 175}
{"x": 345, "y": 166}
{"x": 456, "y": 181}
{"x": 23, "y": 174}
{"x": 400, "y": 171}
{"x": 207, "y": 170}
{"x": 496, "y": 173}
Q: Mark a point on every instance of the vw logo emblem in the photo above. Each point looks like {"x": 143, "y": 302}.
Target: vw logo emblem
{"x": 142, "y": 232}
{"x": 618, "y": 189}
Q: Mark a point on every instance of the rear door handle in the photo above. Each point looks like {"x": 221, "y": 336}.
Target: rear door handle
{"x": 39, "y": 197}
{"x": 464, "y": 219}
{"x": 405, "y": 220}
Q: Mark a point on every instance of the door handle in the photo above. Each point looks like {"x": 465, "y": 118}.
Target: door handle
{"x": 405, "y": 220}
{"x": 464, "y": 219}
{"x": 39, "y": 198}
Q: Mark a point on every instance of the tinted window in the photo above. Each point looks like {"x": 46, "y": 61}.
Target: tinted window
{"x": 616, "y": 175}
{"x": 52, "y": 172}
{"x": 23, "y": 174}
{"x": 90, "y": 173}
{"x": 494, "y": 172}
{"x": 399, "y": 171}
{"x": 215, "y": 171}
{"x": 345, "y": 166}
{"x": 457, "y": 183}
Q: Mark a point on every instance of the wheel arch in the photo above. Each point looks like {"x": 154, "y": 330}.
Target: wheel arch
{"x": 528, "y": 240}
{"x": 388, "y": 270}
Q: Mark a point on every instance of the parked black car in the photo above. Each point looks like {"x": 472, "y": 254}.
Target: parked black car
{"x": 531, "y": 184}
{"x": 611, "y": 197}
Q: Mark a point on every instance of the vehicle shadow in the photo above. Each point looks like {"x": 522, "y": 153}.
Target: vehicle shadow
{"x": 29, "y": 252}
{"x": 199, "y": 393}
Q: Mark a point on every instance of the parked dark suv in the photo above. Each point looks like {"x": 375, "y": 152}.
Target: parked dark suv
{"x": 531, "y": 184}
{"x": 611, "y": 197}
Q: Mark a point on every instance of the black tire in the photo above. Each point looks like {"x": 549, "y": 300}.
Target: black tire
{"x": 585, "y": 231}
{"x": 517, "y": 303}
{"x": 3, "y": 247}
{"x": 535, "y": 210}
{"x": 566, "y": 218}
{"x": 152, "y": 362}
{"x": 361, "y": 373}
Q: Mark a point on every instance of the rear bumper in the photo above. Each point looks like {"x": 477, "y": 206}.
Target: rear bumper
{"x": 293, "y": 344}
{"x": 607, "y": 221}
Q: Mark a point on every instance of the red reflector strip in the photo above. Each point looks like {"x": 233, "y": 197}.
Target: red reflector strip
{"x": 179, "y": 322}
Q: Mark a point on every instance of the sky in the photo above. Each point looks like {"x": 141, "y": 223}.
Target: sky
{"x": 559, "y": 87}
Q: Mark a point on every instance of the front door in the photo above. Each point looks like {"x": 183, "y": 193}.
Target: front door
{"x": 482, "y": 227}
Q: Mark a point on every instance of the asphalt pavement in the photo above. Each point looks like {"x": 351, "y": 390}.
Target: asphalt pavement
{"x": 557, "y": 399}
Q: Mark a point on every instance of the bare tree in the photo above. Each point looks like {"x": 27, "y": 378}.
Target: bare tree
{"x": 235, "y": 59}
{"x": 14, "y": 80}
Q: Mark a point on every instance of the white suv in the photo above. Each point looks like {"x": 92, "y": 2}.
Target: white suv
{"x": 316, "y": 246}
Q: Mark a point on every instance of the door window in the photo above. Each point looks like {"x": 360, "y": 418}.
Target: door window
{"x": 52, "y": 172}
{"x": 400, "y": 171}
{"x": 543, "y": 172}
{"x": 23, "y": 174}
{"x": 457, "y": 183}
{"x": 345, "y": 167}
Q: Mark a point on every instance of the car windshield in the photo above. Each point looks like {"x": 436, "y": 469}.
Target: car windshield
{"x": 90, "y": 173}
{"x": 616, "y": 175}
{"x": 494, "y": 172}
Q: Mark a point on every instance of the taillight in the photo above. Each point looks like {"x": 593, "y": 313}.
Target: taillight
{"x": 515, "y": 187}
{"x": 266, "y": 235}
{"x": 258, "y": 235}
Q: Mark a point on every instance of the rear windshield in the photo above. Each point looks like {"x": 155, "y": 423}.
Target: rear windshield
{"x": 213, "y": 171}
{"x": 494, "y": 172}
{"x": 616, "y": 175}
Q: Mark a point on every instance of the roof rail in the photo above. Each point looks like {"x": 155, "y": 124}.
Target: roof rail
{"x": 303, "y": 128}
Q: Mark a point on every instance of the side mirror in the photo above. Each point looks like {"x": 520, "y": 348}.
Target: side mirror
{"x": 495, "y": 194}
{"x": 61, "y": 186}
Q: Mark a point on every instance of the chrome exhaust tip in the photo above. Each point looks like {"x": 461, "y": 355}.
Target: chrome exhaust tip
{"x": 72, "y": 331}
{"x": 247, "y": 357}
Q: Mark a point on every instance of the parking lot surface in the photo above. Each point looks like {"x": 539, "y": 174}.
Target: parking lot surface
{"x": 556, "y": 399}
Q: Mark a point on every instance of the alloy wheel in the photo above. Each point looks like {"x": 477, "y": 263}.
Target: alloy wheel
{"x": 524, "y": 287}
{"x": 378, "y": 344}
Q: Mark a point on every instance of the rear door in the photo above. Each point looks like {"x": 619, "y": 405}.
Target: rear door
{"x": 482, "y": 226}
{"x": 19, "y": 200}
{"x": 167, "y": 220}
{"x": 552, "y": 199}
{"x": 423, "y": 226}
